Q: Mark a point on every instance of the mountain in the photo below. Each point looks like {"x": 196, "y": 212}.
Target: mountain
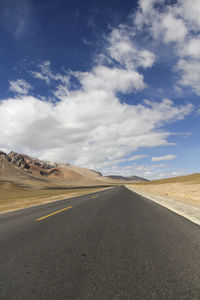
{"x": 23, "y": 169}
{"x": 129, "y": 178}
{"x": 7, "y": 168}
{"x": 32, "y": 164}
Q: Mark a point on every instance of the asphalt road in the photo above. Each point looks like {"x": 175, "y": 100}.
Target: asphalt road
{"x": 109, "y": 245}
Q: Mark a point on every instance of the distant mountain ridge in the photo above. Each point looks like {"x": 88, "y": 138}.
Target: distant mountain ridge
{"x": 23, "y": 167}
{"x": 36, "y": 167}
{"x": 127, "y": 178}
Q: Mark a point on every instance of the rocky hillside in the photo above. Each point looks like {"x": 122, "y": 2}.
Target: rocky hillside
{"x": 32, "y": 164}
{"x": 23, "y": 166}
{"x": 17, "y": 163}
{"x": 8, "y": 169}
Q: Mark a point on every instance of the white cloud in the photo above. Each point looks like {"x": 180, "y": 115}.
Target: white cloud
{"x": 191, "y": 48}
{"x": 122, "y": 49}
{"x": 165, "y": 24}
{"x": 147, "y": 5}
{"x": 166, "y": 157}
{"x": 19, "y": 86}
{"x": 151, "y": 172}
{"x": 111, "y": 79}
{"x": 46, "y": 74}
{"x": 135, "y": 157}
{"x": 190, "y": 11}
{"x": 179, "y": 24}
{"x": 122, "y": 160}
{"x": 179, "y": 172}
{"x": 190, "y": 73}
{"x": 174, "y": 29}
{"x": 88, "y": 128}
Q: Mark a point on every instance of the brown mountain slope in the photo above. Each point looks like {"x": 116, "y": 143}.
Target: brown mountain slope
{"x": 21, "y": 168}
{"x": 85, "y": 173}
{"x": 8, "y": 169}
{"x": 64, "y": 173}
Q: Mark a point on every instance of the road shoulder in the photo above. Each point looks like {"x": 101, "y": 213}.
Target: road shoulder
{"x": 189, "y": 212}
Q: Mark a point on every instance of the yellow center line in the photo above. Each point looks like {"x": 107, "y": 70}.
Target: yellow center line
{"x": 56, "y": 212}
{"x": 95, "y": 196}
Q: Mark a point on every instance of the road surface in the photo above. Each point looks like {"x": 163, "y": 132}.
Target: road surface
{"x": 113, "y": 244}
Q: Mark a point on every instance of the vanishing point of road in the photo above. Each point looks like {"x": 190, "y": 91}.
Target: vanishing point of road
{"x": 108, "y": 245}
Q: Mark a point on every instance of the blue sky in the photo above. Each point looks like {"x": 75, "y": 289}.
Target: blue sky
{"x": 108, "y": 85}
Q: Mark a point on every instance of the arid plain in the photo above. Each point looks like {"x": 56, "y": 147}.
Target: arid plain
{"x": 26, "y": 181}
{"x": 185, "y": 189}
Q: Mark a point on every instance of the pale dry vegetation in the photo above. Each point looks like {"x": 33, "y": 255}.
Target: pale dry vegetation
{"x": 185, "y": 189}
{"x": 15, "y": 196}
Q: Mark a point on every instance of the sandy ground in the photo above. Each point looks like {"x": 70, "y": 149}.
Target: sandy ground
{"x": 184, "y": 189}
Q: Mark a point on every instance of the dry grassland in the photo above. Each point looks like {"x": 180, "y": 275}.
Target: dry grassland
{"x": 14, "y": 196}
{"x": 185, "y": 189}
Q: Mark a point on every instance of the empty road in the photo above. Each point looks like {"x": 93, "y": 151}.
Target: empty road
{"x": 113, "y": 244}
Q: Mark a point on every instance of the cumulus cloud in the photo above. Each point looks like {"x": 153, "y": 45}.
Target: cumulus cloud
{"x": 191, "y": 49}
{"x": 122, "y": 49}
{"x": 87, "y": 128}
{"x": 88, "y": 125}
{"x": 166, "y": 157}
{"x": 147, "y": 5}
{"x": 173, "y": 23}
{"x": 177, "y": 24}
{"x": 190, "y": 73}
{"x": 19, "y": 86}
{"x": 111, "y": 79}
{"x": 165, "y": 21}
{"x": 174, "y": 29}
{"x": 190, "y": 11}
